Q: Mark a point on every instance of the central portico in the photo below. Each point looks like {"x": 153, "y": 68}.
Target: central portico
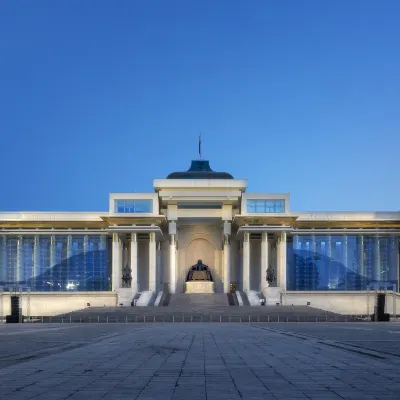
{"x": 198, "y": 214}
{"x": 199, "y": 207}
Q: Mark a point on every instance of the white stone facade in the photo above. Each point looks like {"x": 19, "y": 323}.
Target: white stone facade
{"x": 246, "y": 240}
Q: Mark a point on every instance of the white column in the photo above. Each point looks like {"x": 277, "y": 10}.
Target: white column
{"x": 313, "y": 248}
{"x": 360, "y": 261}
{"x": 246, "y": 261}
{"x": 134, "y": 263}
{"x": 116, "y": 262}
{"x": 53, "y": 260}
{"x": 282, "y": 261}
{"x": 36, "y": 260}
{"x": 85, "y": 254}
{"x": 172, "y": 263}
{"x": 331, "y": 274}
{"x": 227, "y": 264}
{"x": 159, "y": 268}
{"x": 376, "y": 267}
{"x": 3, "y": 258}
{"x": 345, "y": 261}
{"x": 152, "y": 263}
{"x": 69, "y": 246}
{"x": 19, "y": 273}
{"x": 264, "y": 262}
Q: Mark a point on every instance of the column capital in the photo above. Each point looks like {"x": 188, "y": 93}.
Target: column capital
{"x": 246, "y": 237}
{"x": 133, "y": 237}
{"x": 115, "y": 237}
{"x": 283, "y": 236}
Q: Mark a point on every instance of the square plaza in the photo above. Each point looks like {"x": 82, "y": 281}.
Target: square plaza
{"x": 200, "y": 361}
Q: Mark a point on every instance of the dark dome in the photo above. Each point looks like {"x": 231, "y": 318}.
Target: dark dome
{"x": 200, "y": 169}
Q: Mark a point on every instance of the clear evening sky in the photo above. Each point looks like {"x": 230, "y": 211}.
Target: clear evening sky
{"x": 295, "y": 96}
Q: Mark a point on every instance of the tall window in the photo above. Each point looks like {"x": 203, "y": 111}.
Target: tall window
{"x": 265, "y": 206}
{"x": 133, "y": 206}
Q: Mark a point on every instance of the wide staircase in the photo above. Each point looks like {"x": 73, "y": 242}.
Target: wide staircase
{"x": 197, "y": 301}
{"x": 197, "y": 308}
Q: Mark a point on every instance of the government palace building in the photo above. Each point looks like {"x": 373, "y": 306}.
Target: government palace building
{"x": 200, "y": 231}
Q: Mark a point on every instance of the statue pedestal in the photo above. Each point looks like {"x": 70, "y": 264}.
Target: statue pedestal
{"x": 199, "y": 287}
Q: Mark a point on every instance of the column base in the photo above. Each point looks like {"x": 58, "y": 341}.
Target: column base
{"x": 272, "y": 296}
{"x": 124, "y": 297}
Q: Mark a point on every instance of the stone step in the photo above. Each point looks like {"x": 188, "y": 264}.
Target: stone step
{"x": 183, "y": 300}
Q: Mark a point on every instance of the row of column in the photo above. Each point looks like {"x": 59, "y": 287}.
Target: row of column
{"x": 117, "y": 262}
{"x": 281, "y": 256}
{"x": 117, "y": 258}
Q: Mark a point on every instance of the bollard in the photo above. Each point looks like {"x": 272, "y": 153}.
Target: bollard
{"x": 90, "y": 320}
{"x": 98, "y": 318}
{"x": 144, "y": 319}
{"x": 220, "y": 318}
{"x": 126, "y": 319}
{"x": 268, "y": 317}
{"x": 107, "y": 318}
{"x": 298, "y": 319}
{"x": 154, "y": 320}
{"x": 287, "y": 318}
{"x": 326, "y": 317}
{"x": 70, "y": 319}
{"x": 278, "y": 318}
{"x": 62, "y": 320}
{"x": 173, "y": 318}
{"x": 80, "y": 319}
{"x": 42, "y": 320}
{"x": 249, "y": 318}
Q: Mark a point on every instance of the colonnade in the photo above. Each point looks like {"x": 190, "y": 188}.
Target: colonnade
{"x": 281, "y": 261}
{"x": 118, "y": 267}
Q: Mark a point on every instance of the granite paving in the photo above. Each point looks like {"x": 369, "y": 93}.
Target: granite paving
{"x": 196, "y": 361}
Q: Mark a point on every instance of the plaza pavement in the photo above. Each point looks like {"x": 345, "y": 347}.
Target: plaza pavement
{"x": 200, "y": 361}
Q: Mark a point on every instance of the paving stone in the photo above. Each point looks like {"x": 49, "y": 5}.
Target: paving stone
{"x": 196, "y": 361}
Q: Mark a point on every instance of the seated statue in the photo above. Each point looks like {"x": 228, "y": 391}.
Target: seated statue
{"x": 199, "y": 272}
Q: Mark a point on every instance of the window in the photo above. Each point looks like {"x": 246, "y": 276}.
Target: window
{"x": 265, "y": 206}
{"x": 133, "y": 206}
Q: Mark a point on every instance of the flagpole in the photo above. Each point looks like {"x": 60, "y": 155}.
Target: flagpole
{"x": 200, "y": 146}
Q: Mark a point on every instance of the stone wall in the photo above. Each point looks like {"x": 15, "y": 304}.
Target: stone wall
{"x": 53, "y": 303}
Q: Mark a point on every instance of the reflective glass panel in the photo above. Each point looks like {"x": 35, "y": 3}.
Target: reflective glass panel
{"x": 265, "y": 206}
{"x": 133, "y": 206}
{"x": 342, "y": 262}
{"x": 55, "y": 263}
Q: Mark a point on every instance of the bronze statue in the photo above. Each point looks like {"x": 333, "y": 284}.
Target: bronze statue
{"x": 126, "y": 276}
{"x": 199, "y": 272}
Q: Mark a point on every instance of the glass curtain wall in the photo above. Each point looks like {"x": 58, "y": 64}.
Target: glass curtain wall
{"x": 55, "y": 263}
{"x": 343, "y": 262}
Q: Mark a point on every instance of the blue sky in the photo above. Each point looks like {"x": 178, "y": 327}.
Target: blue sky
{"x": 295, "y": 96}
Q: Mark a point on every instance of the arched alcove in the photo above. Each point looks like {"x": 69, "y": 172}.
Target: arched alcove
{"x": 199, "y": 246}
